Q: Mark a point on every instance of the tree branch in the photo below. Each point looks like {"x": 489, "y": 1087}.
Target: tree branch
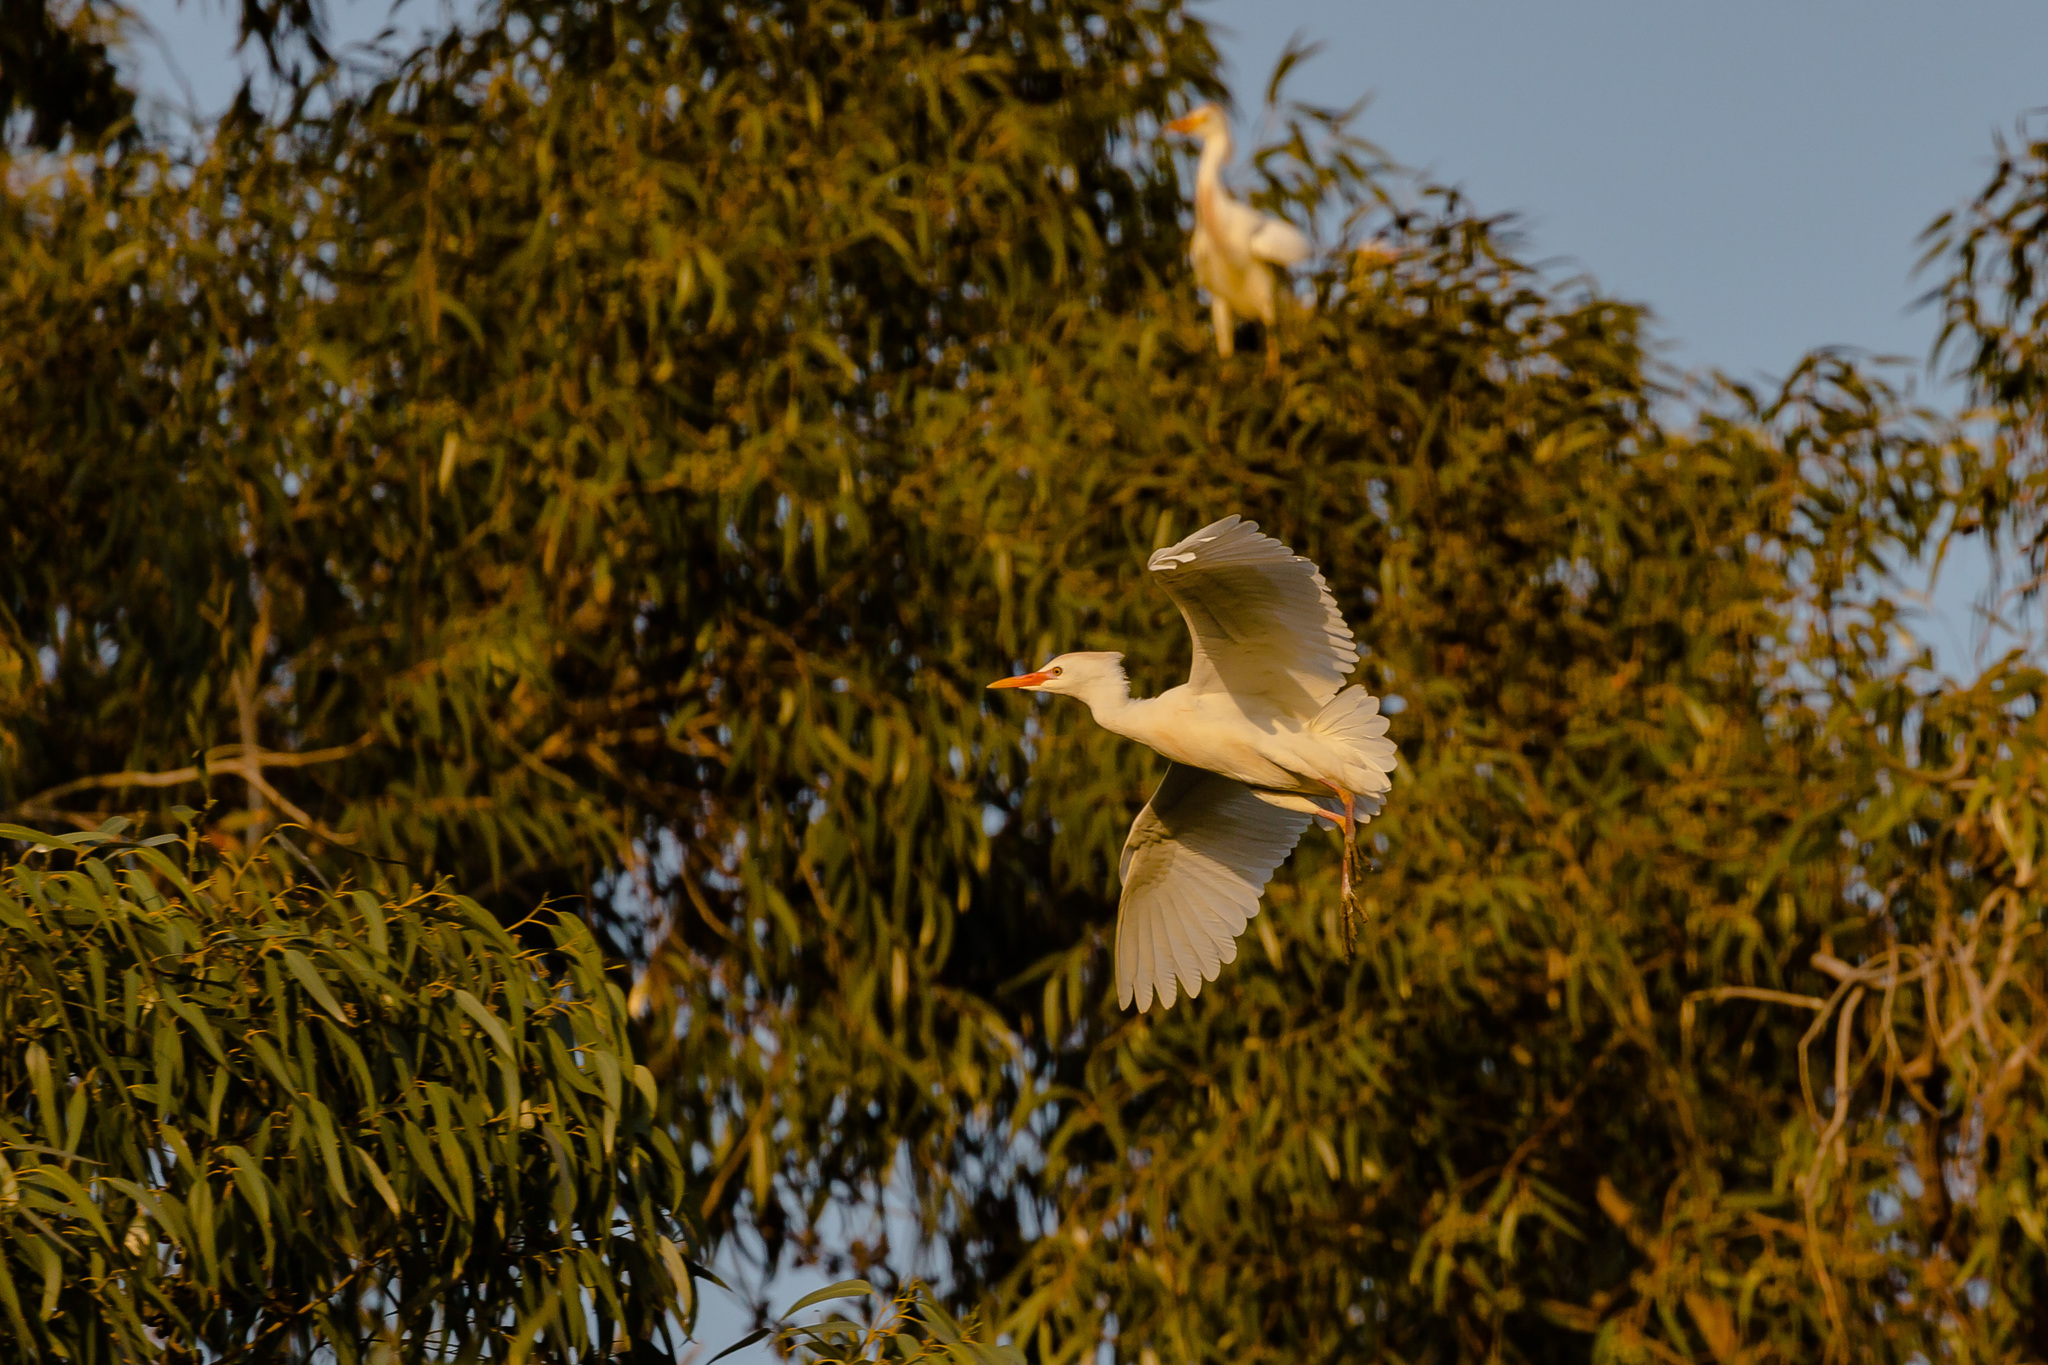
{"x": 238, "y": 760}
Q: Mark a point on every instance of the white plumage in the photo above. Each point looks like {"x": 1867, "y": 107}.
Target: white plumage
{"x": 1263, "y": 620}
{"x": 1262, "y": 737}
{"x": 1198, "y": 857}
{"x": 1234, "y": 246}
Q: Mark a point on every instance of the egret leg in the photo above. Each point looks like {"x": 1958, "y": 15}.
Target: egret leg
{"x": 1275, "y": 308}
{"x": 1347, "y": 899}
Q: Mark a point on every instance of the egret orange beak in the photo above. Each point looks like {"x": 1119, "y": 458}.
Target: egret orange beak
{"x": 1021, "y": 680}
{"x": 1184, "y": 124}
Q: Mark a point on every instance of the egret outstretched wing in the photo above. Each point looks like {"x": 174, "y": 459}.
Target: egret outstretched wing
{"x": 1196, "y": 860}
{"x": 1265, "y": 625}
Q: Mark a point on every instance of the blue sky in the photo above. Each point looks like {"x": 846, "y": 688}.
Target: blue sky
{"x": 1757, "y": 172}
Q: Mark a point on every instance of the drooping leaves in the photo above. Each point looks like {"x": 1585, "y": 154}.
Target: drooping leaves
{"x": 243, "y": 1115}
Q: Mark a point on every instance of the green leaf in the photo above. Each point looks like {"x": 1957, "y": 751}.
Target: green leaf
{"x": 249, "y": 1179}
{"x": 196, "y": 1022}
{"x": 490, "y": 1023}
{"x": 330, "y": 1149}
{"x": 377, "y": 1180}
{"x": 10, "y": 1299}
{"x": 844, "y": 1289}
{"x": 704, "y": 1272}
{"x": 943, "y": 1325}
{"x": 315, "y": 987}
{"x": 680, "y": 1277}
{"x": 742, "y": 1344}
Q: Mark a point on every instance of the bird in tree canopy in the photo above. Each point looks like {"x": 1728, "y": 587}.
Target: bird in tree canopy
{"x": 1261, "y": 738}
{"x": 1234, "y": 244}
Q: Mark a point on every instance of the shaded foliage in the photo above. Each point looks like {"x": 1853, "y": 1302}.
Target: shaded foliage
{"x": 607, "y": 458}
{"x": 1993, "y": 295}
{"x": 242, "y": 1116}
{"x": 58, "y": 71}
{"x": 57, "y": 67}
{"x": 910, "y": 1327}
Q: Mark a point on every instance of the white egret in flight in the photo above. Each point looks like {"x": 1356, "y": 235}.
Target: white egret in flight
{"x": 1262, "y": 737}
{"x": 1235, "y": 245}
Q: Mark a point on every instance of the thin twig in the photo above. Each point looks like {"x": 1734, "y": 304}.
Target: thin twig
{"x": 222, "y": 758}
{"x": 1806, "y": 1043}
{"x": 1806, "y": 1002}
{"x": 1843, "y": 1029}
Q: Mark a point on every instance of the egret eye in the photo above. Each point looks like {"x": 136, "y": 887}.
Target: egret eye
{"x": 1057, "y": 671}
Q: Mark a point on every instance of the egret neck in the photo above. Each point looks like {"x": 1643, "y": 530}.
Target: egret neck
{"x": 1107, "y": 692}
{"x": 1209, "y": 173}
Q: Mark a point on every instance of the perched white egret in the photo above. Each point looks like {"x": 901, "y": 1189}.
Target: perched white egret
{"x": 1262, "y": 737}
{"x": 1235, "y": 245}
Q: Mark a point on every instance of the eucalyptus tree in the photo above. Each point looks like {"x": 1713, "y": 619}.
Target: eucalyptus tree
{"x": 606, "y": 458}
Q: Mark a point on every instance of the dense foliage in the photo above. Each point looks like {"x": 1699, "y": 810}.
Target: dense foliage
{"x": 606, "y": 459}
{"x": 907, "y": 1329}
{"x": 242, "y": 1116}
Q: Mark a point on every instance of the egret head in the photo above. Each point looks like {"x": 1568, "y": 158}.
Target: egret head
{"x": 1204, "y": 121}
{"x": 1074, "y": 674}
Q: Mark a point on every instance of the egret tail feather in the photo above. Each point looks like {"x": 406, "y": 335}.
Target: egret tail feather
{"x": 1357, "y": 733}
